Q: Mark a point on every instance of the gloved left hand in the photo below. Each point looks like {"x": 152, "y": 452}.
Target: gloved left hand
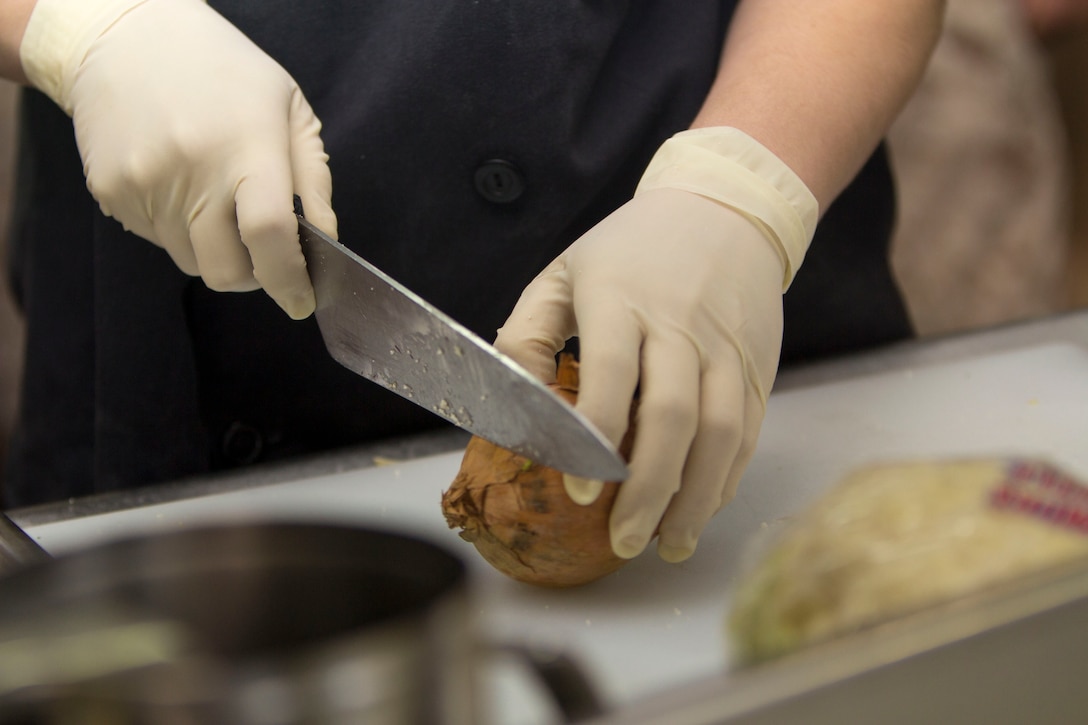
{"x": 677, "y": 293}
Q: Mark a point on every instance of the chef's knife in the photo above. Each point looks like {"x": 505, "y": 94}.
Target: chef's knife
{"x": 383, "y": 331}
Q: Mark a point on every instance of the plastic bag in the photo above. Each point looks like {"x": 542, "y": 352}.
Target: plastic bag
{"x": 891, "y": 539}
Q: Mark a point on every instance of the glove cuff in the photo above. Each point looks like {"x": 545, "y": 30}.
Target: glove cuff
{"x": 729, "y": 166}
{"x": 58, "y": 36}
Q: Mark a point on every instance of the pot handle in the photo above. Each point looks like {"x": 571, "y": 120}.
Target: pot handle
{"x": 17, "y": 548}
{"x": 563, "y": 677}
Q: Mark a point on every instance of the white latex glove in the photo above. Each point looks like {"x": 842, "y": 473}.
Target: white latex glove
{"x": 678, "y": 292}
{"x": 190, "y": 135}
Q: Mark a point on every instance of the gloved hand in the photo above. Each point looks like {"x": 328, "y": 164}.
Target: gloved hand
{"x": 190, "y": 135}
{"x": 678, "y": 292}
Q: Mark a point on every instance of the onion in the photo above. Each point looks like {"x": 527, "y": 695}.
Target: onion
{"x": 521, "y": 520}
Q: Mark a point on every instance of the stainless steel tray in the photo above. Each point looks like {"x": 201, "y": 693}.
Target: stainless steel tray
{"x": 1011, "y": 654}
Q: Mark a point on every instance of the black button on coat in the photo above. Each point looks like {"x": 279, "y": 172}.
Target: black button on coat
{"x": 470, "y": 143}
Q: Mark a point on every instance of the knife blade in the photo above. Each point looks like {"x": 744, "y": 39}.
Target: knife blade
{"x": 381, "y": 330}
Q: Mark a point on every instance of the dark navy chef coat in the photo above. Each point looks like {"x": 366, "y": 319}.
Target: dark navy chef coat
{"x": 470, "y": 142}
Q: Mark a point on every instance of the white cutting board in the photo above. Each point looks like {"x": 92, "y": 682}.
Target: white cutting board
{"x": 652, "y": 626}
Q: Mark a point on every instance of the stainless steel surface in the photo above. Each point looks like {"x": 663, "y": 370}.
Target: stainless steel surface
{"x": 651, "y": 634}
{"x": 282, "y": 623}
{"x": 383, "y": 331}
{"x": 17, "y": 548}
{"x": 60, "y": 651}
{"x": 1015, "y": 654}
{"x": 322, "y": 624}
{"x": 901, "y": 356}
{"x": 916, "y": 353}
{"x": 356, "y": 458}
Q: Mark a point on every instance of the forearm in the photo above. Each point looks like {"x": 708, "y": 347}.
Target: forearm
{"x": 819, "y": 82}
{"x": 14, "y": 15}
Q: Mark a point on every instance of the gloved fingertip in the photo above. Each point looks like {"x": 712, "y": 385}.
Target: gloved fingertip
{"x": 630, "y": 546}
{"x": 300, "y": 306}
{"x": 674, "y": 554}
{"x": 583, "y": 491}
{"x": 537, "y": 358}
{"x": 325, "y": 220}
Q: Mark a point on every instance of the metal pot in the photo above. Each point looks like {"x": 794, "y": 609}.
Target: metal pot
{"x": 262, "y": 624}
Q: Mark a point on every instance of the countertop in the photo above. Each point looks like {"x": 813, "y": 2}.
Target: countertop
{"x": 653, "y": 628}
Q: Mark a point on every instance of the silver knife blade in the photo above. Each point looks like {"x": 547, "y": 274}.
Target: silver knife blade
{"x": 381, "y": 330}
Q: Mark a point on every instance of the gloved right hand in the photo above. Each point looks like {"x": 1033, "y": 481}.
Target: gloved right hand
{"x": 190, "y": 135}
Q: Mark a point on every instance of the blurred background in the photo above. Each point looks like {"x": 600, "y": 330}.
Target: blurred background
{"x": 11, "y": 329}
{"x": 991, "y": 157}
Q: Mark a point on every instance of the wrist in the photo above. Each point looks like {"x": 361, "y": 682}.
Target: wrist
{"x": 728, "y": 166}
{"x": 58, "y": 36}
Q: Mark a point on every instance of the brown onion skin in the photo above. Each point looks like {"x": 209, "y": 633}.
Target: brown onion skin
{"x": 521, "y": 520}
